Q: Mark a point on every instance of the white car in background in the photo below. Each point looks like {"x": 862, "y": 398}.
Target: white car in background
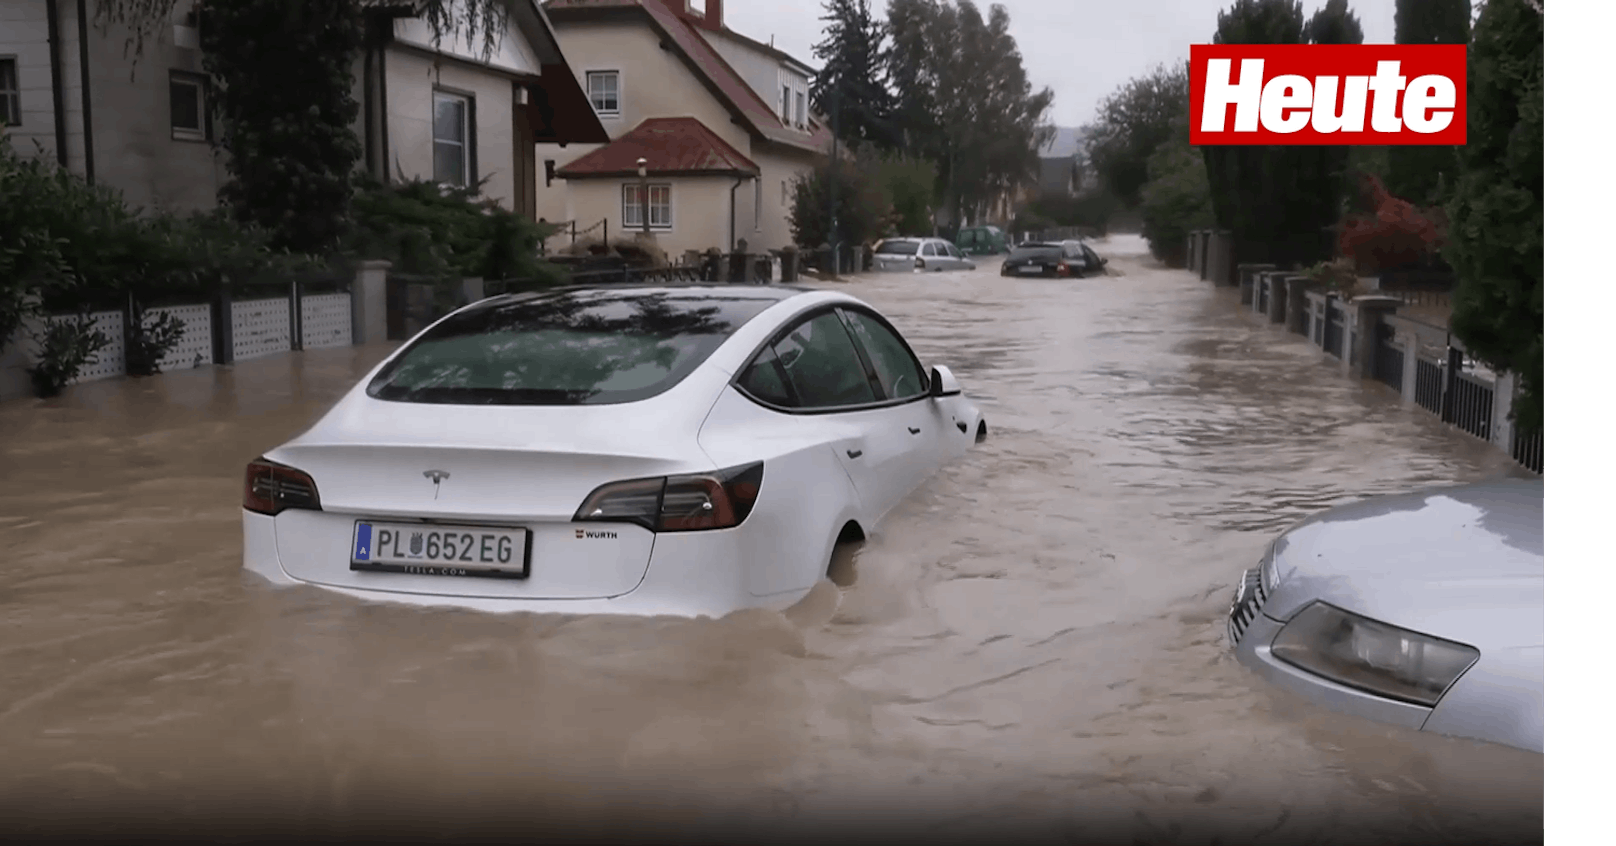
{"x": 919, "y": 255}
{"x": 684, "y": 450}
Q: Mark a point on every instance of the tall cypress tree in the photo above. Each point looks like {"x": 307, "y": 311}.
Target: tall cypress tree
{"x": 1495, "y": 240}
{"x": 851, "y": 53}
{"x": 1421, "y": 174}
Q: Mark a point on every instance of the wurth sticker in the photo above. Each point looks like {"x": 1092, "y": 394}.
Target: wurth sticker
{"x": 1332, "y": 94}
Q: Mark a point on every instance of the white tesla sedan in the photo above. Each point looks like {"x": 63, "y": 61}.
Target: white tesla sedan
{"x": 685, "y": 450}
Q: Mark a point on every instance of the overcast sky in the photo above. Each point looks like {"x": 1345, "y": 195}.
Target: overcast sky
{"x": 1082, "y": 49}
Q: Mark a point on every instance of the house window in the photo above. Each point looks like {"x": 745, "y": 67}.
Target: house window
{"x": 785, "y": 193}
{"x": 785, "y": 104}
{"x": 605, "y": 92}
{"x": 661, "y": 206}
{"x": 10, "y": 93}
{"x": 757, "y": 204}
{"x": 452, "y": 140}
{"x": 802, "y": 110}
{"x": 187, "y": 107}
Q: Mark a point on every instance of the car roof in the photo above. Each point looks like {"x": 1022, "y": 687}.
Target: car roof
{"x": 1047, "y": 245}
{"x": 690, "y": 290}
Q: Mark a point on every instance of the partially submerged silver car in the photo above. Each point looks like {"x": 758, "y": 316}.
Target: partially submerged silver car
{"x": 919, "y": 254}
{"x": 1424, "y": 610}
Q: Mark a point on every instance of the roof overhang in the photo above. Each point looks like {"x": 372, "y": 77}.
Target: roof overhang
{"x": 654, "y": 174}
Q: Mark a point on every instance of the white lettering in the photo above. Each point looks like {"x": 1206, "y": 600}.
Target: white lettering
{"x": 1386, "y": 83}
{"x": 1221, "y": 93}
{"x": 1431, "y": 93}
{"x": 1356, "y": 99}
{"x": 1286, "y": 93}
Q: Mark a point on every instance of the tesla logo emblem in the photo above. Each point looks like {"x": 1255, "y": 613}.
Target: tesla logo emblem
{"x": 437, "y": 477}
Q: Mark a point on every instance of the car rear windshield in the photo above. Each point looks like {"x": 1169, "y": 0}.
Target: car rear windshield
{"x": 567, "y": 348}
{"x": 1036, "y": 251}
{"x": 898, "y": 248}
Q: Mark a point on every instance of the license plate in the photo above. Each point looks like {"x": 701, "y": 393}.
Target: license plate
{"x": 1029, "y": 269}
{"x": 434, "y": 549}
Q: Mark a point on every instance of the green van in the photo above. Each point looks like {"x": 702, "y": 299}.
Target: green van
{"x": 981, "y": 241}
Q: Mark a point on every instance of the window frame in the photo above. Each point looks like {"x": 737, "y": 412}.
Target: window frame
{"x": 11, "y": 98}
{"x": 616, "y": 75}
{"x": 840, "y": 310}
{"x": 468, "y": 146}
{"x": 203, "y": 132}
{"x": 624, "y": 206}
{"x": 802, "y": 109}
{"x": 786, "y": 90}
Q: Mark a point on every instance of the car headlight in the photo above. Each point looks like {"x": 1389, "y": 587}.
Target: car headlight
{"x": 1372, "y": 656}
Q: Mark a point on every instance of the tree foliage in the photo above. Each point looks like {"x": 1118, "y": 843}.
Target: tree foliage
{"x": 1420, "y": 173}
{"x": 852, "y": 80}
{"x": 862, "y": 207}
{"x": 1133, "y": 122}
{"x": 1495, "y": 241}
{"x": 1280, "y": 201}
{"x": 1177, "y": 198}
{"x": 939, "y": 82}
{"x": 289, "y": 134}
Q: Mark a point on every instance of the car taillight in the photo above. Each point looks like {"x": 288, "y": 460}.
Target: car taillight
{"x": 721, "y": 499}
{"x": 273, "y": 488}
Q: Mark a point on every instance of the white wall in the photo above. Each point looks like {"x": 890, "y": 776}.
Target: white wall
{"x": 512, "y": 52}
{"x": 411, "y": 79}
{"x": 700, "y": 212}
{"x": 135, "y": 151}
{"x": 654, "y": 83}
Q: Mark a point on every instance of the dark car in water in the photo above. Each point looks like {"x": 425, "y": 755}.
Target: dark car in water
{"x": 1057, "y": 258}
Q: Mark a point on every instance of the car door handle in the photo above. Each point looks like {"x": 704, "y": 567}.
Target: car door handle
{"x": 913, "y": 431}
{"x": 854, "y": 453}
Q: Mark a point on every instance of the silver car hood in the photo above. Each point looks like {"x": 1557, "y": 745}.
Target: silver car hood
{"x": 1463, "y": 562}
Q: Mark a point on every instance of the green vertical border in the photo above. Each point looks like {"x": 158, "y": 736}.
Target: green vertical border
{"x": 1579, "y": 305}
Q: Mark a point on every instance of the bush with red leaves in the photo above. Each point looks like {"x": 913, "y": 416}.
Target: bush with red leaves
{"x": 1394, "y": 234}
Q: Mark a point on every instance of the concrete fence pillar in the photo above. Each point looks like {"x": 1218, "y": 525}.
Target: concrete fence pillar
{"x": 1296, "y": 305}
{"x": 1409, "y": 343}
{"x": 1189, "y": 252}
{"x": 471, "y": 290}
{"x": 1278, "y": 296}
{"x": 1503, "y": 428}
{"x": 788, "y": 264}
{"x": 1367, "y": 313}
{"x": 1245, "y": 277}
{"x": 370, "y": 302}
{"x": 738, "y": 269}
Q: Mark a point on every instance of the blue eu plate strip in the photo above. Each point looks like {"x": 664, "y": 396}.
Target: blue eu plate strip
{"x": 362, "y": 543}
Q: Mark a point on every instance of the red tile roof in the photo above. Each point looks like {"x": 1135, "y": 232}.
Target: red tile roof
{"x": 679, "y": 146}
{"x": 719, "y": 76}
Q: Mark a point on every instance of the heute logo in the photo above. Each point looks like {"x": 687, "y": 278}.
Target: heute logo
{"x": 1335, "y": 94}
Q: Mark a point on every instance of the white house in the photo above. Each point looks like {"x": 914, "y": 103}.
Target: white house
{"x": 722, "y": 122}
{"x": 438, "y": 111}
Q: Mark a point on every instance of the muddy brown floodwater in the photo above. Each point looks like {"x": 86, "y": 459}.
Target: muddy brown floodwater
{"x": 1033, "y": 643}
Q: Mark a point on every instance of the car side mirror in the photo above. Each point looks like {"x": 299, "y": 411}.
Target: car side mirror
{"x": 943, "y": 383}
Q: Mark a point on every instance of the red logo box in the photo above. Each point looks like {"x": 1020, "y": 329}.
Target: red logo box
{"x": 1334, "y": 94}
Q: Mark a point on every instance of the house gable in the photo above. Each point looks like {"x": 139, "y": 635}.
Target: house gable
{"x": 680, "y": 33}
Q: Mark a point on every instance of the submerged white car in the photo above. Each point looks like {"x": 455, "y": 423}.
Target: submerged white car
{"x": 641, "y": 450}
{"x": 1423, "y": 610}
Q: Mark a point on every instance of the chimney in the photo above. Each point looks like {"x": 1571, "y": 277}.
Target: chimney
{"x": 692, "y": 10}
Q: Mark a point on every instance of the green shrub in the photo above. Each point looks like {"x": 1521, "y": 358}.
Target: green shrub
{"x": 1176, "y": 201}
{"x": 446, "y": 233}
{"x": 66, "y": 345}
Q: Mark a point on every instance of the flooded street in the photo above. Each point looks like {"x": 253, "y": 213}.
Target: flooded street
{"x": 1033, "y": 643}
